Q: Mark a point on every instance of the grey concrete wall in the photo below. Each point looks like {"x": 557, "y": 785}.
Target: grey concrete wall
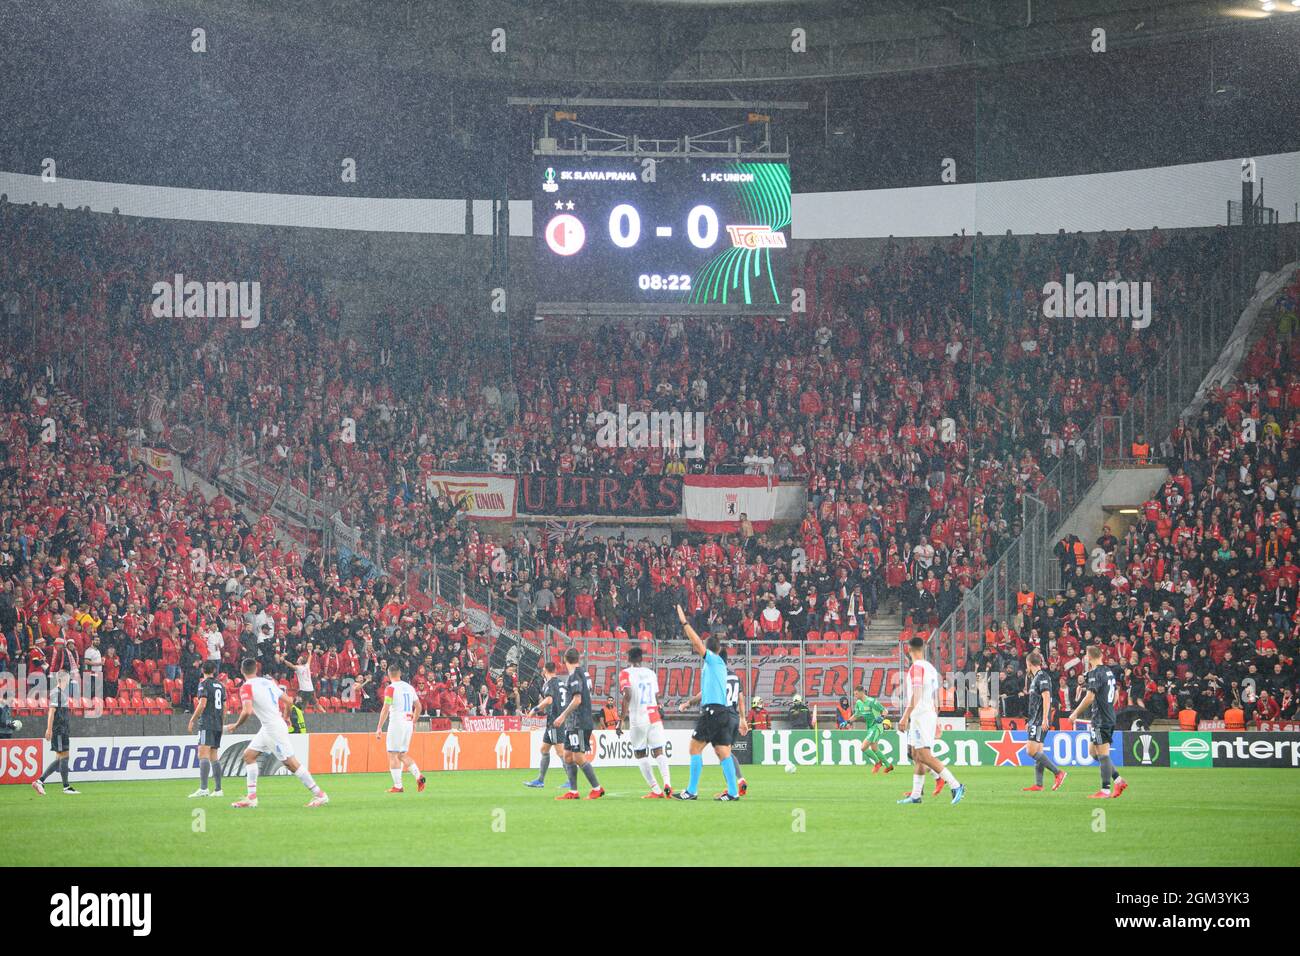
{"x": 1116, "y": 488}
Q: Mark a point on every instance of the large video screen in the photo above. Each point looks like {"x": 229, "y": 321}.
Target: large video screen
{"x": 702, "y": 232}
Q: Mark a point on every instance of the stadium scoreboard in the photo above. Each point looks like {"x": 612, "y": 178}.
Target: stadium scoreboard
{"x": 707, "y": 233}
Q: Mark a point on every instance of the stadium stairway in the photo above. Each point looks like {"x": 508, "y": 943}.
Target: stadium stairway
{"x": 881, "y": 638}
{"x": 1128, "y": 487}
{"x": 1115, "y": 488}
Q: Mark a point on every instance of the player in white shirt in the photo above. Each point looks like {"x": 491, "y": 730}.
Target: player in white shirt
{"x": 921, "y": 720}
{"x": 401, "y": 709}
{"x": 266, "y": 699}
{"x": 640, "y": 689}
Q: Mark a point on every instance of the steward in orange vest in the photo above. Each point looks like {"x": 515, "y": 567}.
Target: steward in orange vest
{"x": 844, "y": 714}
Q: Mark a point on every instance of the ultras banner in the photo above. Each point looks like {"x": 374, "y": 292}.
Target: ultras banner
{"x": 655, "y": 496}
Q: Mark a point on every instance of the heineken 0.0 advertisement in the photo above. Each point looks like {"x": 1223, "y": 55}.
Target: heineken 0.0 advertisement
{"x": 1006, "y": 748}
{"x": 963, "y": 748}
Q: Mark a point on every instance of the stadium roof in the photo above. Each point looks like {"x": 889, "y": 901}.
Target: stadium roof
{"x": 701, "y": 41}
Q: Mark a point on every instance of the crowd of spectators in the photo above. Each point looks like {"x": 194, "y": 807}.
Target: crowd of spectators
{"x": 849, "y": 398}
{"x": 135, "y": 582}
{"x": 1196, "y": 602}
{"x": 920, "y": 398}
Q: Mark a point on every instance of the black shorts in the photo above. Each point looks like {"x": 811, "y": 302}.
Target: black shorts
{"x": 578, "y": 740}
{"x": 1036, "y": 731}
{"x": 60, "y": 742}
{"x": 1101, "y": 733}
{"x": 210, "y": 736}
{"x": 717, "y": 726}
{"x": 554, "y": 736}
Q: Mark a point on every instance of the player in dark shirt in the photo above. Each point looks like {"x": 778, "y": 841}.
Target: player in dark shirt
{"x": 577, "y": 723}
{"x": 1038, "y": 688}
{"x": 739, "y": 725}
{"x": 208, "y": 714}
{"x": 552, "y": 703}
{"x": 1100, "y": 700}
{"x": 58, "y": 733}
{"x": 733, "y": 687}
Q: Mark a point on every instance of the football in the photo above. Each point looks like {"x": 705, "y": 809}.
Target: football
{"x": 789, "y": 768}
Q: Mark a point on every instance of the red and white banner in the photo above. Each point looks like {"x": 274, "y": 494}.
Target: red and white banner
{"x": 485, "y": 496}
{"x": 159, "y": 463}
{"x": 820, "y": 672}
{"x": 714, "y": 503}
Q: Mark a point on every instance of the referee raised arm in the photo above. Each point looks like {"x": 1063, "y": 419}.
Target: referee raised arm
{"x": 715, "y": 726}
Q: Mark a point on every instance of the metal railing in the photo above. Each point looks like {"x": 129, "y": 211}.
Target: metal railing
{"x": 518, "y": 636}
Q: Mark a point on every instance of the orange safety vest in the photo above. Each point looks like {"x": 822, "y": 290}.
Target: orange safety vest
{"x": 1141, "y": 451}
{"x": 1025, "y": 600}
{"x": 1080, "y": 553}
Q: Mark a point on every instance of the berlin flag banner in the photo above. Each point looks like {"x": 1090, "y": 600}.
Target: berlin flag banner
{"x": 714, "y": 503}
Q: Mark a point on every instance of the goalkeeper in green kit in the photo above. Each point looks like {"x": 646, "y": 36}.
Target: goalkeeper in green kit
{"x": 872, "y": 713}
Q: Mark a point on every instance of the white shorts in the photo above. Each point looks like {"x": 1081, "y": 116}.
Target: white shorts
{"x": 272, "y": 740}
{"x": 399, "y": 736}
{"x": 647, "y": 736}
{"x": 921, "y": 728}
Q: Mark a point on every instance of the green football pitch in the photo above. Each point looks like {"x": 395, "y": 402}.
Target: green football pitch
{"x": 817, "y": 816}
